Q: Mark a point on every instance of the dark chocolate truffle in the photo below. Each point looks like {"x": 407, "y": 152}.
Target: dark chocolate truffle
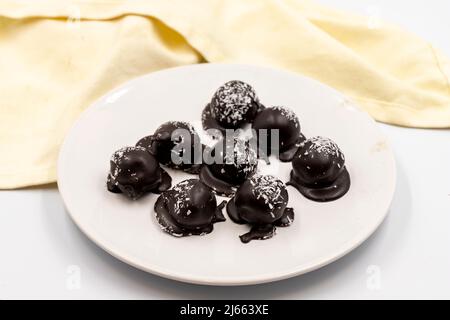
{"x": 134, "y": 172}
{"x": 167, "y": 143}
{"x": 189, "y": 208}
{"x": 319, "y": 171}
{"x": 261, "y": 202}
{"x": 232, "y": 105}
{"x": 235, "y": 162}
{"x": 289, "y": 136}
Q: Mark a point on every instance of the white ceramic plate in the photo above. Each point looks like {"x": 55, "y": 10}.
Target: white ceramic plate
{"x": 321, "y": 233}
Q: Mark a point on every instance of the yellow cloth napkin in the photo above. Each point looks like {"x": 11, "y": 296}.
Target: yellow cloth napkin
{"x": 57, "y": 57}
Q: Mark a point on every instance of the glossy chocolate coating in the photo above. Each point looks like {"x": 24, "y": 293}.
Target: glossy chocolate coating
{"x": 261, "y": 202}
{"x": 233, "y": 167}
{"x": 232, "y": 105}
{"x": 286, "y": 122}
{"x": 134, "y": 172}
{"x": 162, "y": 143}
{"x": 189, "y": 208}
{"x": 318, "y": 170}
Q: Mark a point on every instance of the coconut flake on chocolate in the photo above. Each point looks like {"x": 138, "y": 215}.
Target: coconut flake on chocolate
{"x": 232, "y": 105}
{"x": 135, "y": 172}
{"x": 189, "y": 208}
{"x": 261, "y": 201}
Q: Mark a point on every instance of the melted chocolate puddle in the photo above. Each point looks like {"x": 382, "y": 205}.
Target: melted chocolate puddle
{"x": 324, "y": 193}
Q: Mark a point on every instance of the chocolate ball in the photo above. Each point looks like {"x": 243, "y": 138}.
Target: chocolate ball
{"x": 261, "y": 202}
{"x": 188, "y": 208}
{"x": 318, "y": 170}
{"x": 232, "y": 105}
{"x": 167, "y": 142}
{"x": 192, "y": 204}
{"x": 237, "y": 165}
{"x": 234, "y": 162}
{"x": 134, "y": 172}
{"x": 318, "y": 162}
{"x": 261, "y": 199}
{"x": 282, "y": 119}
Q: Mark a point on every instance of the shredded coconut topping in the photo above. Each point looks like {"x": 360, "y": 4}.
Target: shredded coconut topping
{"x": 268, "y": 188}
{"x": 321, "y": 145}
{"x": 180, "y": 124}
{"x": 181, "y": 193}
{"x": 232, "y": 101}
{"x": 289, "y": 114}
{"x": 119, "y": 156}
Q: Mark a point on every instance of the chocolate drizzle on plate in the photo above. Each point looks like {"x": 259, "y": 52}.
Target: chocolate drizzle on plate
{"x": 258, "y": 232}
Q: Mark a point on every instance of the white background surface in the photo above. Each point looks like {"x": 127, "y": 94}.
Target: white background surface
{"x": 42, "y": 251}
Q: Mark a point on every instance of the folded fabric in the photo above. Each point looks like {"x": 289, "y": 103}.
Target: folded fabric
{"x": 57, "y": 57}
